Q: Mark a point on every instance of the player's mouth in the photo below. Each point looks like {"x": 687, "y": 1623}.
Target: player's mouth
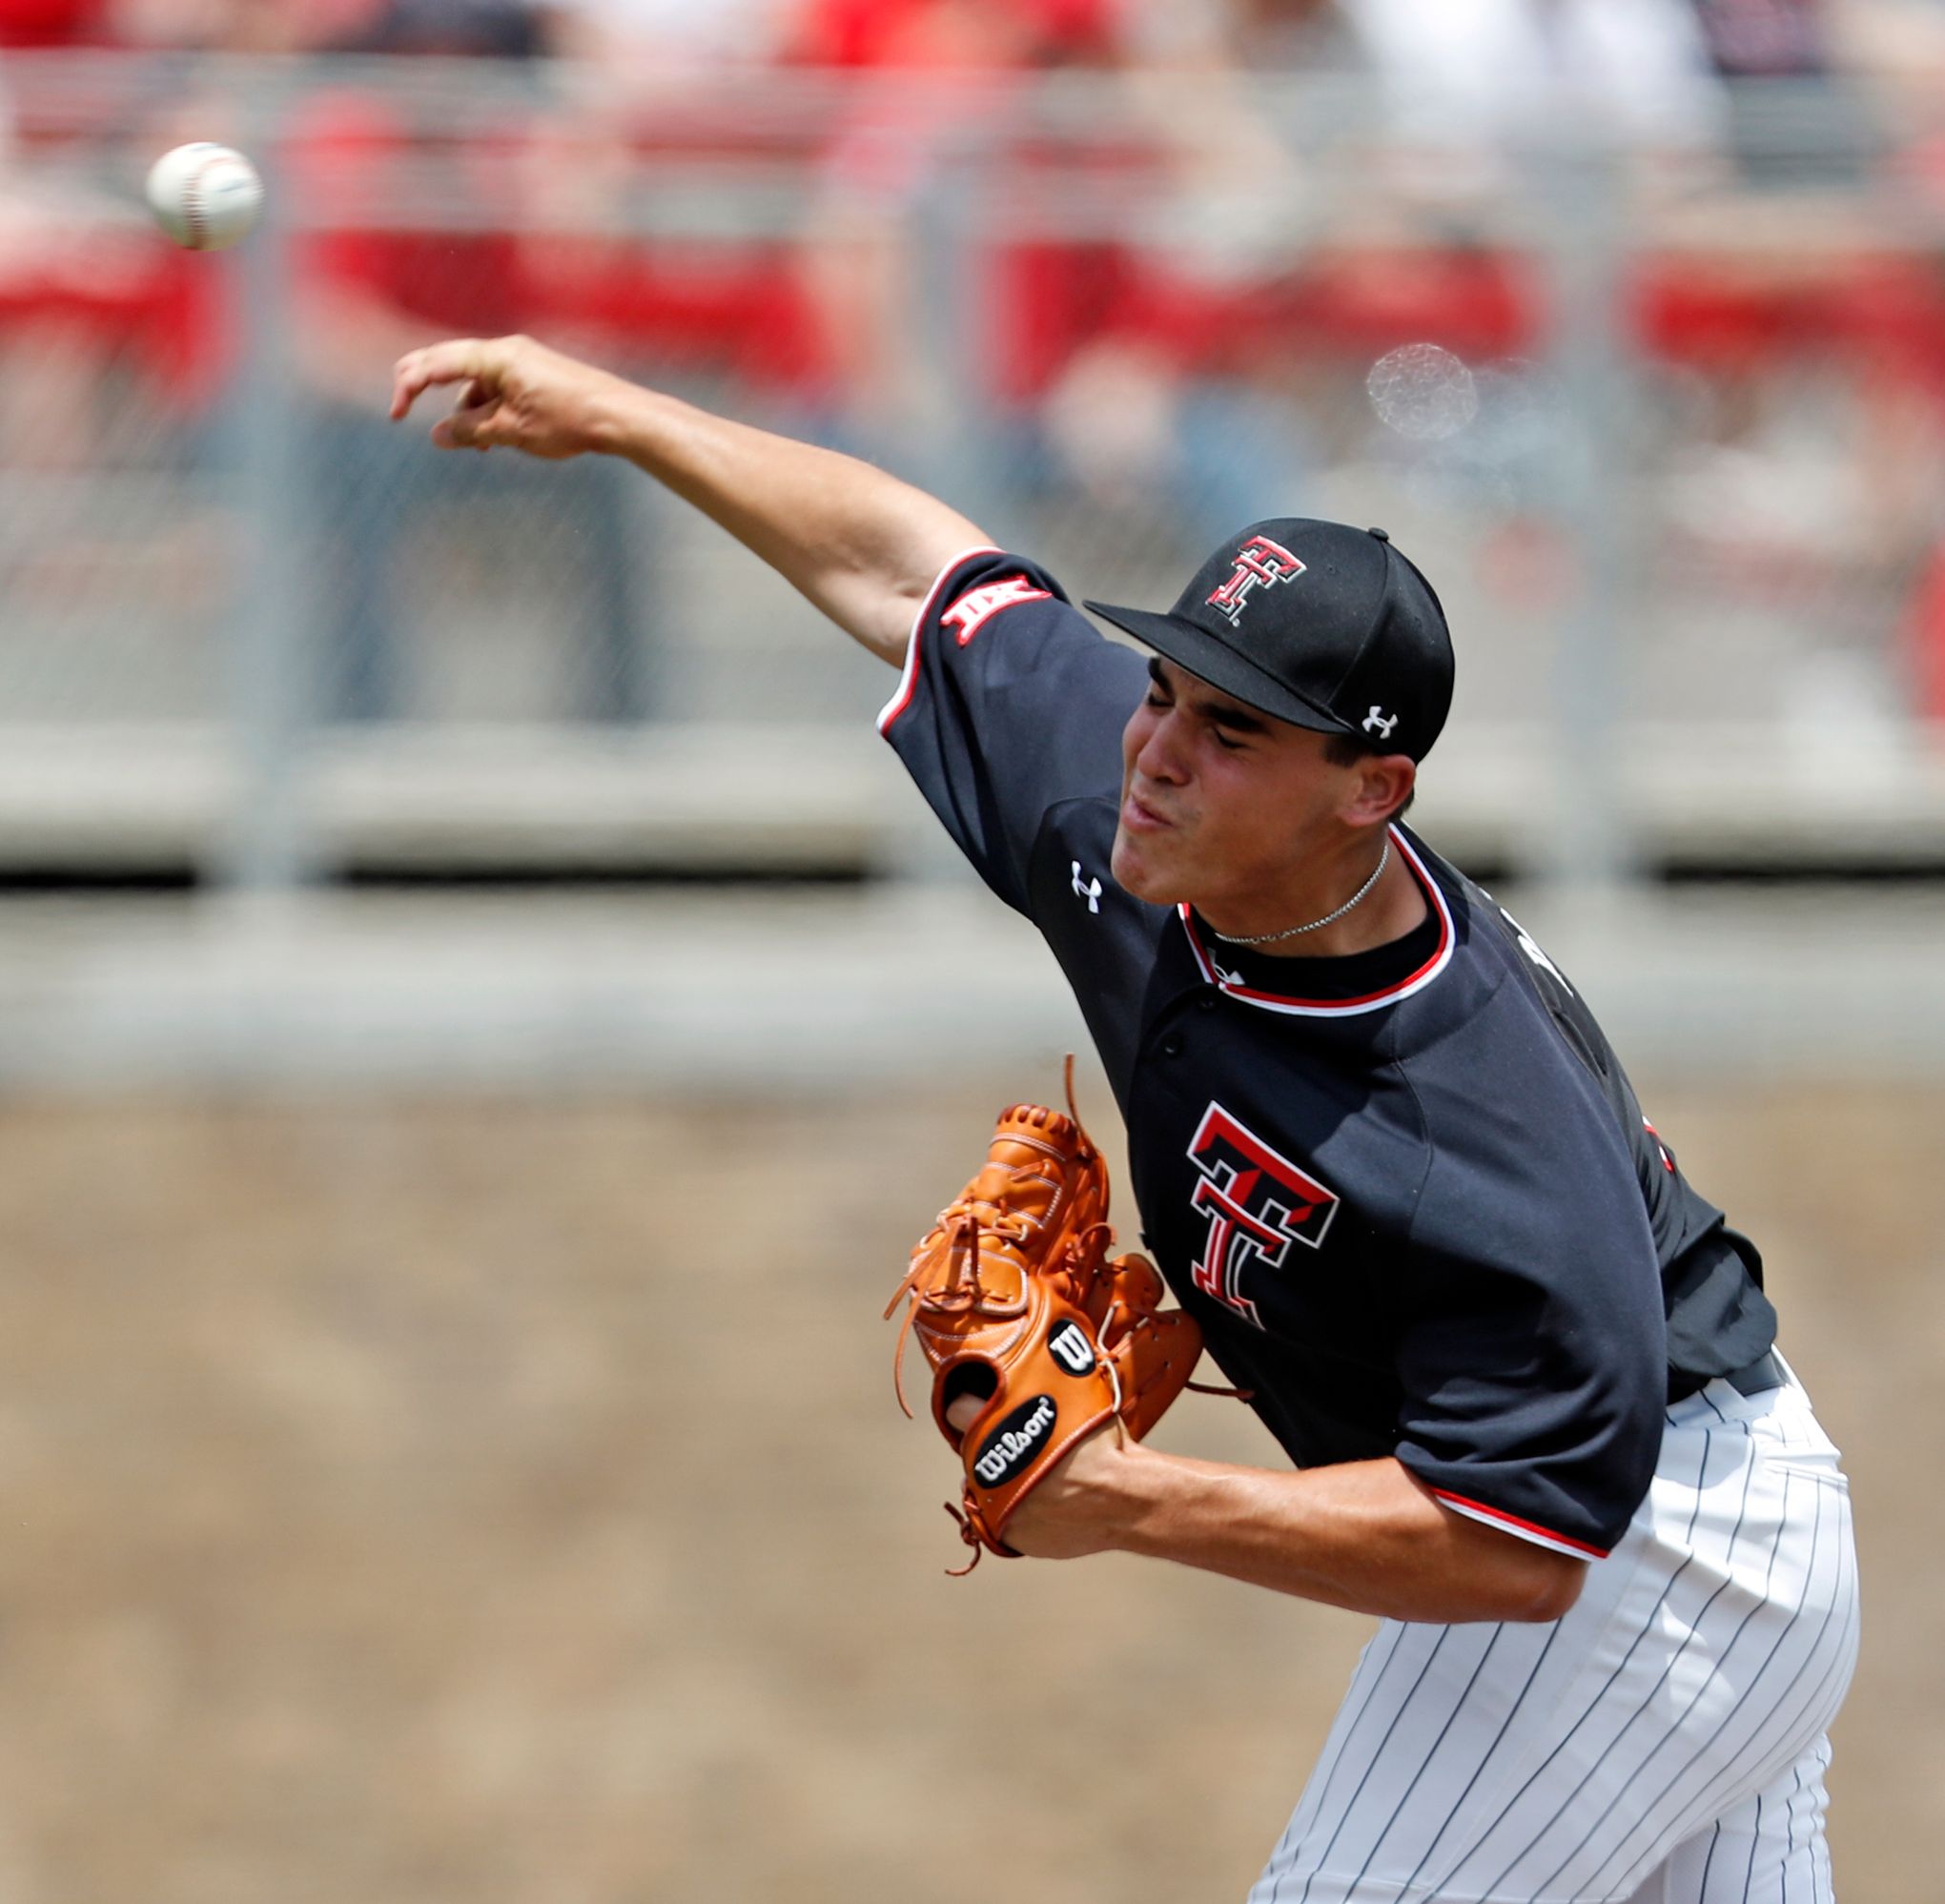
{"x": 1138, "y": 817}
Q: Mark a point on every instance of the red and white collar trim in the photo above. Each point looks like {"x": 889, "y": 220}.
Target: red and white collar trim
{"x": 1339, "y": 1008}
{"x": 907, "y": 679}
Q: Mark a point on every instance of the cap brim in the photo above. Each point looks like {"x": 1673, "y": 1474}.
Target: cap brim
{"x": 1219, "y": 665}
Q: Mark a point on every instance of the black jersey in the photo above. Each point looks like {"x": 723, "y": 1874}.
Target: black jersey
{"x": 1409, "y": 1195}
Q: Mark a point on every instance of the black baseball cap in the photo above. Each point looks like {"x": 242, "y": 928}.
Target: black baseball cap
{"x": 1319, "y": 624}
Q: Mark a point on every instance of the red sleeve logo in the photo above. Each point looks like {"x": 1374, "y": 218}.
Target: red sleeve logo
{"x": 1258, "y": 1204}
{"x": 978, "y": 606}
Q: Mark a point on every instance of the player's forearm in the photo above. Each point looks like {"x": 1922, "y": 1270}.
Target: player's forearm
{"x": 1362, "y": 1535}
{"x": 862, "y": 546}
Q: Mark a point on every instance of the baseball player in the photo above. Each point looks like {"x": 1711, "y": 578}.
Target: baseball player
{"x": 1525, "y": 1373}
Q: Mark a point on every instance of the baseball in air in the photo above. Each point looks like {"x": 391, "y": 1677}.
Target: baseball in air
{"x": 205, "y": 196}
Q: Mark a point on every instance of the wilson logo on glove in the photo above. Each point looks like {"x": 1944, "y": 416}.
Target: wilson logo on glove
{"x": 1014, "y": 1297}
{"x": 1071, "y": 1349}
{"x": 1014, "y": 1439}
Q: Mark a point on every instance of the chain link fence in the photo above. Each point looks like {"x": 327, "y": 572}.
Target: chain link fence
{"x": 1665, "y": 424}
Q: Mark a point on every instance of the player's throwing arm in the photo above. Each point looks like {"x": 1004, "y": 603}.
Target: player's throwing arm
{"x": 861, "y": 545}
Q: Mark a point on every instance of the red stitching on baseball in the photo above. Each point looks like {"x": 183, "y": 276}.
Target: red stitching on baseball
{"x": 193, "y": 203}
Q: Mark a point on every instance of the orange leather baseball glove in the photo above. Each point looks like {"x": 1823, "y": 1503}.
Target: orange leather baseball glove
{"x": 1014, "y": 1297}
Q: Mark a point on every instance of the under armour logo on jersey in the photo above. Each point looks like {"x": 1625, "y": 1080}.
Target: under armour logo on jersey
{"x": 1090, "y": 891}
{"x": 1377, "y": 722}
{"x": 1259, "y": 564}
{"x": 1257, "y": 1202}
{"x": 978, "y": 606}
{"x": 1531, "y": 945}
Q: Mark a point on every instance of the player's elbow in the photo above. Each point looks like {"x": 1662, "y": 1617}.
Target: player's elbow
{"x": 1544, "y": 1587}
{"x": 1506, "y": 1576}
{"x": 1514, "y": 1580}
{"x": 1511, "y": 1582}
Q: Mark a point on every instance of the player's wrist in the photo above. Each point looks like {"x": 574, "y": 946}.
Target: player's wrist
{"x": 615, "y": 417}
{"x": 1176, "y": 1507}
{"x": 1087, "y": 1505}
{"x": 1137, "y": 1500}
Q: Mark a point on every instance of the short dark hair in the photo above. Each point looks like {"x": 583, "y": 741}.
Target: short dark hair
{"x": 1348, "y": 749}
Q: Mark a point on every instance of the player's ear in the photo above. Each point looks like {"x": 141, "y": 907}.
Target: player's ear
{"x": 1380, "y": 783}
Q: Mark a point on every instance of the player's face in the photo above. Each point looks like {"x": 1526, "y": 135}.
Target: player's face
{"x": 1220, "y": 806}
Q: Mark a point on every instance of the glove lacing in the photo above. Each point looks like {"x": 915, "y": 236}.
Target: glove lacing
{"x": 961, "y": 1292}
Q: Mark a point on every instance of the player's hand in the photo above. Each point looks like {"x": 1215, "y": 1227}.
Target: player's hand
{"x": 512, "y": 394}
{"x": 1072, "y": 1511}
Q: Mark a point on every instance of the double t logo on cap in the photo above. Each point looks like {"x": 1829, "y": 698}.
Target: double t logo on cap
{"x": 1259, "y": 564}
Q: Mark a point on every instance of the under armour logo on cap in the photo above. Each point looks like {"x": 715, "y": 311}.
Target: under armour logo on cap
{"x": 1377, "y": 722}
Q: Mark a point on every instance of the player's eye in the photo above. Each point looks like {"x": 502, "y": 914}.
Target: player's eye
{"x": 1227, "y": 742}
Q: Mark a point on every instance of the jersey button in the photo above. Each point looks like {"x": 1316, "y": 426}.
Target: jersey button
{"x": 1172, "y": 1045}
{"x": 1206, "y": 1002}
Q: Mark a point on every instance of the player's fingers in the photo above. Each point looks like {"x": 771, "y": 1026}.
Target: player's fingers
{"x": 449, "y": 363}
{"x": 963, "y": 1412}
{"x": 475, "y": 422}
{"x": 459, "y": 359}
{"x": 462, "y": 433}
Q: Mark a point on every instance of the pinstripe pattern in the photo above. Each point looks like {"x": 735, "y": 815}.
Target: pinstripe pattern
{"x": 1609, "y": 1706}
{"x": 1372, "y": 1665}
{"x": 1679, "y": 1732}
{"x": 1458, "y": 1808}
{"x": 1770, "y": 1850}
{"x": 1804, "y": 1703}
{"x": 1381, "y": 1751}
{"x": 1661, "y": 1743}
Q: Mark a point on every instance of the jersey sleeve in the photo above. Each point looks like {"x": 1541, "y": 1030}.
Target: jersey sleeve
{"x": 1533, "y": 1364}
{"x": 1011, "y": 703}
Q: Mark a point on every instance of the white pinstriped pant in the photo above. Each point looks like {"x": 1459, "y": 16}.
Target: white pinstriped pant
{"x": 1661, "y": 1743}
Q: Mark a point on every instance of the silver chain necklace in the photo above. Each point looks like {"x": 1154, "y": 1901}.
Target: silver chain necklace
{"x": 1329, "y": 918}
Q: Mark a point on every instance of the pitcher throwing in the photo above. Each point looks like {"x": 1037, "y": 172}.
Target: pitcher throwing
{"x": 1525, "y": 1373}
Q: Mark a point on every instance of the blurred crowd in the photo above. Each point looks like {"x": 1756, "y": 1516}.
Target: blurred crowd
{"x": 1158, "y": 361}
{"x": 1485, "y": 48}
{"x": 1732, "y": 37}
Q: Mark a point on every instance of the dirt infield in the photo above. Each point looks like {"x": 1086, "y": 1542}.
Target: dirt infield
{"x": 503, "y": 1502}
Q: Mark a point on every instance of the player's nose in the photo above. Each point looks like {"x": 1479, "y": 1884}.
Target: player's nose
{"x": 1158, "y": 751}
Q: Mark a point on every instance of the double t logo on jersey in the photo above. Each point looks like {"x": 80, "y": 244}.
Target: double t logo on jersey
{"x": 1258, "y": 1204}
{"x": 1259, "y": 564}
